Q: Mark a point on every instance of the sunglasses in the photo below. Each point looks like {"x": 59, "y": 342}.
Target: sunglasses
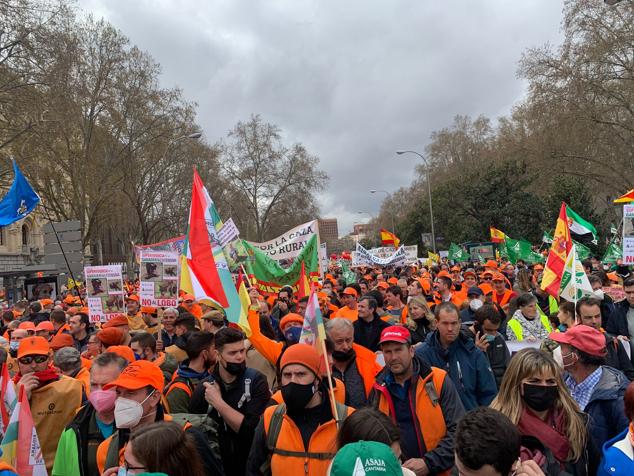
{"x": 39, "y": 359}
{"x": 487, "y": 279}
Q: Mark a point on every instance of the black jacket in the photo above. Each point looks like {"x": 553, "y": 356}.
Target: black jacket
{"x": 617, "y": 356}
{"x": 368, "y": 334}
{"x": 497, "y": 353}
{"x": 234, "y": 447}
{"x": 617, "y": 323}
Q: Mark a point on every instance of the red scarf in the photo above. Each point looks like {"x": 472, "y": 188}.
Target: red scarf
{"x": 551, "y": 432}
{"x": 45, "y": 376}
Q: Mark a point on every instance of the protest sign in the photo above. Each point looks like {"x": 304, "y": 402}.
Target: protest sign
{"x": 173, "y": 244}
{"x": 628, "y": 233}
{"x": 286, "y": 247}
{"x": 385, "y": 252}
{"x": 159, "y": 278}
{"x": 363, "y": 257}
{"x": 323, "y": 259}
{"x": 228, "y": 232}
{"x": 104, "y": 292}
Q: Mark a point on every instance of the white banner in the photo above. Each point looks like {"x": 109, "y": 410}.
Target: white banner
{"x": 628, "y": 233}
{"x": 288, "y": 245}
{"x": 104, "y": 292}
{"x": 363, "y": 257}
{"x": 158, "y": 278}
{"x": 228, "y": 232}
{"x": 411, "y": 253}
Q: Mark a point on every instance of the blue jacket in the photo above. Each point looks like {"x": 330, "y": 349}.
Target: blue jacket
{"x": 607, "y": 417}
{"x": 467, "y": 366}
{"x": 618, "y": 456}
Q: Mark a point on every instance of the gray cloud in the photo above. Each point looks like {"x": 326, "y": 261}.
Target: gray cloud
{"x": 354, "y": 81}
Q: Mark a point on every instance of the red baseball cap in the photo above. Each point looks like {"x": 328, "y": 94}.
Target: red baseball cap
{"x": 398, "y": 334}
{"x": 585, "y": 338}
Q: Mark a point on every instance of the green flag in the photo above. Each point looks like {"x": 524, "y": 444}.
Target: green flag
{"x": 613, "y": 229}
{"x": 580, "y": 229}
{"x": 583, "y": 252}
{"x": 456, "y": 253}
{"x": 613, "y": 253}
{"x": 268, "y": 276}
{"x": 547, "y": 238}
{"x": 348, "y": 275}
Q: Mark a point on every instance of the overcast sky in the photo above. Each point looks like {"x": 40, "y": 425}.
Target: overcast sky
{"x": 352, "y": 80}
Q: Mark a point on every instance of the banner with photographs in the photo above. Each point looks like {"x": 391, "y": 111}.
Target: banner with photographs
{"x": 628, "y": 233}
{"x": 104, "y": 292}
{"x": 158, "y": 275}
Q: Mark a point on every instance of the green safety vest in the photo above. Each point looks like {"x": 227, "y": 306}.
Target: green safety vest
{"x": 517, "y": 328}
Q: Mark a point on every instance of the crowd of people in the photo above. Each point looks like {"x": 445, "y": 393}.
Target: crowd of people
{"x": 470, "y": 369}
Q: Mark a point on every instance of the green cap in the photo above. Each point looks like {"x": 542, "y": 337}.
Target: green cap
{"x": 365, "y": 458}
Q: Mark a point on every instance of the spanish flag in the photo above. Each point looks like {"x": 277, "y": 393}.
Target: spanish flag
{"x": 627, "y": 198}
{"x": 497, "y": 236}
{"x": 556, "y": 261}
{"x": 388, "y": 238}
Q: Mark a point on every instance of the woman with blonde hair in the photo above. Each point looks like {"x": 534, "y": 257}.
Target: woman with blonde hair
{"x": 554, "y": 432}
{"x": 420, "y": 319}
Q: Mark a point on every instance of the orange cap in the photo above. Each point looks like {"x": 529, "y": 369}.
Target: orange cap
{"x": 392, "y": 280}
{"x": 188, "y": 297}
{"x": 498, "y": 277}
{"x": 351, "y": 292}
{"x": 148, "y": 310}
{"x": 27, "y": 325}
{"x": 122, "y": 351}
{"x": 491, "y": 264}
{"x": 110, "y": 336}
{"x": 45, "y": 326}
{"x": 302, "y": 354}
{"x": 455, "y": 269}
{"x": 70, "y": 299}
{"x": 444, "y": 274}
{"x": 382, "y": 285}
{"x": 142, "y": 373}
{"x": 61, "y": 340}
{"x": 290, "y": 317}
{"x": 116, "y": 321}
{"x": 46, "y": 302}
{"x": 132, "y": 297}
{"x": 469, "y": 273}
{"x": 33, "y": 346}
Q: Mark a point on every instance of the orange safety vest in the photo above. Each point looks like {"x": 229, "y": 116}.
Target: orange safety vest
{"x": 506, "y": 297}
{"x": 289, "y": 456}
{"x": 431, "y": 422}
{"x": 84, "y": 377}
{"x": 347, "y": 313}
{"x": 367, "y": 365}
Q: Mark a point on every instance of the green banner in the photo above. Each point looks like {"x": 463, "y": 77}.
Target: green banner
{"x": 521, "y": 250}
{"x": 583, "y": 252}
{"x": 349, "y": 276}
{"x": 268, "y": 276}
{"x": 612, "y": 254}
{"x": 456, "y": 253}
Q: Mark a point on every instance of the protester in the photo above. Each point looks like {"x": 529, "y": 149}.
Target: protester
{"x": 160, "y": 448}
{"x": 368, "y": 326}
{"x": 143, "y": 344}
{"x": 149, "y": 314}
{"x": 68, "y": 362}
{"x": 597, "y": 388}
{"x": 58, "y": 318}
{"x": 354, "y": 364}
{"x": 213, "y": 321}
{"x": 367, "y": 458}
{"x": 168, "y": 334}
{"x": 191, "y": 373}
{"x": 487, "y": 443}
{"x": 305, "y": 422}
{"x": 79, "y": 325}
{"x": 421, "y": 400}
{"x": 484, "y": 332}
{"x": 526, "y": 323}
{"x": 449, "y": 349}
{"x": 566, "y": 316}
{"x": 618, "y": 453}
{"x": 44, "y": 329}
{"x": 420, "y": 319}
{"x": 53, "y": 398}
{"x": 133, "y": 314}
{"x": 283, "y": 305}
{"x": 235, "y": 397}
{"x": 621, "y": 321}
{"x": 77, "y": 448}
{"x": 501, "y": 295}
{"x": 349, "y": 309}
{"x": 396, "y": 306}
{"x": 474, "y": 296}
{"x": 535, "y": 398}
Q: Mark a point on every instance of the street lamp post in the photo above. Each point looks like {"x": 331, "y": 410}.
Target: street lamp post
{"x": 387, "y": 194}
{"x": 194, "y": 136}
{"x": 431, "y": 210}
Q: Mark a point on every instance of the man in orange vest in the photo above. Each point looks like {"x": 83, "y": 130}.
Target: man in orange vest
{"x": 353, "y": 364}
{"x": 501, "y": 295}
{"x": 422, "y": 401}
{"x": 349, "y": 310}
{"x": 299, "y": 436}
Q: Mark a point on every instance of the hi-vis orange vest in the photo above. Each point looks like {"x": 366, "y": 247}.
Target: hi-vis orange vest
{"x": 431, "y": 425}
{"x": 323, "y": 441}
{"x": 506, "y": 297}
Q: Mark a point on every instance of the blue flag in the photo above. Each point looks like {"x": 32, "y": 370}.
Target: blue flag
{"x": 19, "y": 201}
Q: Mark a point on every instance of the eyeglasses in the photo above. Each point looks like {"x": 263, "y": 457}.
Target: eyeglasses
{"x": 39, "y": 359}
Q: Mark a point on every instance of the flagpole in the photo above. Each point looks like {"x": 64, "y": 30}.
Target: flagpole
{"x": 70, "y": 271}
{"x": 333, "y": 402}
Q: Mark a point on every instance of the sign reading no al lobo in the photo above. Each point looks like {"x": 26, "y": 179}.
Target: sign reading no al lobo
{"x": 104, "y": 292}
{"x": 159, "y": 278}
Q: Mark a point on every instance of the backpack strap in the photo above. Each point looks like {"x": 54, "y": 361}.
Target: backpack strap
{"x": 112, "y": 456}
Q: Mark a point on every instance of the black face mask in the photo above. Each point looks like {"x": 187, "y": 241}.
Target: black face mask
{"x": 234, "y": 368}
{"x": 340, "y": 356}
{"x": 296, "y": 396}
{"x": 540, "y": 397}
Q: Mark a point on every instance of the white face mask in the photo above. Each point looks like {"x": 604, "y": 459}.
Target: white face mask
{"x": 475, "y": 304}
{"x": 128, "y": 413}
{"x": 599, "y": 294}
